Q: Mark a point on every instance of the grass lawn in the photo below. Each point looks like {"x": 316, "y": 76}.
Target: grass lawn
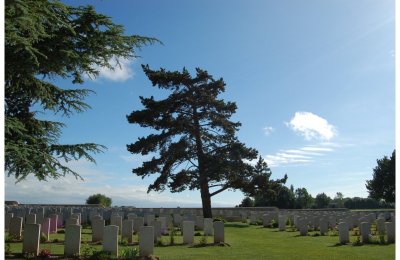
{"x": 246, "y": 242}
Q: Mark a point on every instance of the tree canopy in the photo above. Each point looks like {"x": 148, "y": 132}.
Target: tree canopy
{"x": 99, "y": 199}
{"x": 194, "y": 144}
{"x": 46, "y": 39}
{"x": 383, "y": 183}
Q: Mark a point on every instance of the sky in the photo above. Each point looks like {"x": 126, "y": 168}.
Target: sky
{"x": 314, "y": 82}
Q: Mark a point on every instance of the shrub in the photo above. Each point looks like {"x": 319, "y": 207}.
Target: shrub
{"x": 203, "y": 241}
{"x": 45, "y": 253}
{"x": 99, "y": 199}
{"x": 130, "y": 253}
{"x": 43, "y": 238}
{"x": 100, "y": 255}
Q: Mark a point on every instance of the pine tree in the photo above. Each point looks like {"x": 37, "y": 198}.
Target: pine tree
{"x": 194, "y": 146}
{"x": 45, "y": 40}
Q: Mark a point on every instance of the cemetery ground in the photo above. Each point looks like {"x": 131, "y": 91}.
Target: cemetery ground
{"x": 243, "y": 241}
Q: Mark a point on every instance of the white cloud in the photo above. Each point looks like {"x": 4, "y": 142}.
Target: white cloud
{"x": 120, "y": 72}
{"x": 268, "y": 130}
{"x": 312, "y": 126}
{"x": 301, "y": 156}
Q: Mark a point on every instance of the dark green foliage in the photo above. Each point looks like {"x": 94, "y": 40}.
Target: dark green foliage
{"x": 45, "y": 40}
{"x": 247, "y": 202}
{"x": 322, "y": 200}
{"x": 382, "y": 185}
{"x": 100, "y": 255}
{"x": 99, "y": 199}
{"x": 303, "y": 199}
{"x": 194, "y": 145}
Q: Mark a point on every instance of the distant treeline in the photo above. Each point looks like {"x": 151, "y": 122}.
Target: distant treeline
{"x": 289, "y": 198}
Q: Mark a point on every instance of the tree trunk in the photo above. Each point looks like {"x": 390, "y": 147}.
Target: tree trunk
{"x": 204, "y": 189}
{"x": 205, "y": 199}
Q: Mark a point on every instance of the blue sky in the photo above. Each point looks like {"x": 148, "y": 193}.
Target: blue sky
{"x": 314, "y": 82}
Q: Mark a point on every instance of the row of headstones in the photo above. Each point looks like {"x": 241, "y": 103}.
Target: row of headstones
{"x": 148, "y": 235}
{"x": 323, "y": 223}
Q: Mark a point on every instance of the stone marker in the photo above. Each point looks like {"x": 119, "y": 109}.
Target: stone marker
{"x": 323, "y": 226}
{"x": 116, "y": 220}
{"x": 164, "y": 227}
{"x": 200, "y": 222}
{"x": 391, "y": 232}
{"x": 208, "y": 227}
{"x": 302, "y": 226}
{"x": 45, "y": 228}
{"x": 266, "y": 220}
{"x": 97, "y": 229}
{"x": 146, "y": 240}
{"x": 380, "y": 226}
{"x": 30, "y": 219}
{"x": 127, "y": 230}
{"x": 72, "y": 240}
{"x": 157, "y": 230}
{"x": 31, "y": 240}
{"x": 219, "y": 234}
{"x": 7, "y": 220}
{"x": 53, "y": 223}
{"x": 110, "y": 239}
{"x": 365, "y": 232}
{"x": 343, "y": 229}
{"x": 16, "y": 227}
{"x": 282, "y": 222}
{"x": 149, "y": 219}
{"x": 137, "y": 223}
{"x": 77, "y": 216}
{"x": 188, "y": 232}
{"x": 71, "y": 221}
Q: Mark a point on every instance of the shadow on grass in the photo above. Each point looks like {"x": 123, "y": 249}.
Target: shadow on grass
{"x": 209, "y": 244}
{"x": 237, "y": 225}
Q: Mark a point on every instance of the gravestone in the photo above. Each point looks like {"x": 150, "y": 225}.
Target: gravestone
{"x": 97, "y": 229}
{"x": 380, "y": 226}
{"x": 343, "y": 229}
{"x": 390, "y": 232}
{"x": 71, "y": 221}
{"x": 282, "y": 222}
{"x": 323, "y": 226}
{"x": 164, "y": 227}
{"x": 208, "y": 227}
{"x": 266, "y": 220}
{"x": 16, "y": 227}
{"x": 116, "y": 220}
{"x": 157, "y": 230}
{"x": 219, "y": 234}
{"x": 149, "y": 219}
{"x": 365, "y": 232}
{"x": 137, "y": 223}
{"x": 7, "y": 220}
{"x": 53, "y": 223}
{"x": 146, "y": 240}
{"x": 302, "y": 226}
{"x": 31, "y": 240}
{"x": 188, "y": 232}
{"x": 30, "y": 219}
{"x": 177, "y": 220}
{"x": 110, "y": 239}
{"x": 127, "y": 229}
{"x": 200, "y": 222}
{"x": 45, "y": 228}
{"x": 77, "y": 216}
{"x": 72, "y": 240}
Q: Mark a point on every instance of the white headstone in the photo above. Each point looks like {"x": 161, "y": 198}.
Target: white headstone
{"x": 157, "y": 230}
{"x": 282, "y": 222}
{"x": 343, "y": 229}
{"x": 127, "y": 230}
{"x": 31, "y": 239}
{"x": 380, "y": 226}
{"x": 72, "y": 240}
{"x": 116, "y": 220}
{"x": 110, "y": 239}
{"x": 7, "y": 220}
{"x": 365, "y": 232}
{"x": 53, "y": 223}
{"x": 146, "y": 240}
{"x": 45, "y": 228}
{"x": 323, "y": 226}
{"x": 137, "y": 223}
{"x": 188, "y": 232}
{"x": 208, "y": 227}
{"x": 97, "y": 229}
{"x": 200, "y": 222}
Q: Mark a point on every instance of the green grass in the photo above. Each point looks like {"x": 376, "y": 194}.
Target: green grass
{"x": 247, "y": 242}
